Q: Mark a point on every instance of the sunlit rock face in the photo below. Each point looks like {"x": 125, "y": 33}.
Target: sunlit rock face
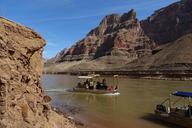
{"x": 169, "y": 23}
{"x": 161, "y": 42}
{"x": 23, "y": 103}
{"x": 174, "y": 56}
{"x": 116, "y": 35}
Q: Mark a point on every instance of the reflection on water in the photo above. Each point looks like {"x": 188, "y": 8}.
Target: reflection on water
{"x": 133, "y": 108}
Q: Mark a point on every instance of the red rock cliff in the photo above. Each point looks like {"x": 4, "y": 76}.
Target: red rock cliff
{"x": 169, "y": 23}
{"x": 115, "y": 36}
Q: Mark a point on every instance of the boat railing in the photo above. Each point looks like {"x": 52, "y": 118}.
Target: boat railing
{"x": 165, "y": 101}
{"x": 176, "y": 101}
{"x": 172, "y": 104}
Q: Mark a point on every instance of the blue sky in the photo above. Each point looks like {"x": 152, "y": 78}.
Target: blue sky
{"x": 63, "y": 22}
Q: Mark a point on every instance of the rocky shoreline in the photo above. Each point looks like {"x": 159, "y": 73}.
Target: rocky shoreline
{"x": 67, "y": 115}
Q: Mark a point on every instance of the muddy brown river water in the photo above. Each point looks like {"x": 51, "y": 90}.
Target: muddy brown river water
{"x": 133, "y": 108}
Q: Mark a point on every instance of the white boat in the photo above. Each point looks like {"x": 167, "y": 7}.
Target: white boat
{"x": 92, "y": 84}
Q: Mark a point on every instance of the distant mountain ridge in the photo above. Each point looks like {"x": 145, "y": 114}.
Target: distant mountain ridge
{"x": 116, "y": 36}
{"x": 124, "y": 43}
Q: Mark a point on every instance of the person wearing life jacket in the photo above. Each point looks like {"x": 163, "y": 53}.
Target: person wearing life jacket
{"x": 111, "y": 88}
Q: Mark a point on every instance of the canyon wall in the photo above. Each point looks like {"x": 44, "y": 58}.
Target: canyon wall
{"x": 122, "y": 42}
{"x": 169, "y": 23}
{"x": 23, "y": 103}
{"x": 116, "y": 35}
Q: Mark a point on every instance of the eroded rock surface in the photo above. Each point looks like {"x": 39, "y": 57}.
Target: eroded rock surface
{"x": 161, "y": 42}
{"x": 169, "y": 23}
{"x": 23, "y": 103}
{"x": 115, "y": 36}
{"x": 175, "y": 56}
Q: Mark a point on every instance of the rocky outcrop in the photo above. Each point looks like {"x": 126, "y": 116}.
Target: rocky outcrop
{"x": 23, "y": 103}
{"x": 174, "y": 56}
{"x": 115, "y": 36}
{"x": 161, "y": 42}
{"x": 169, "y": 23}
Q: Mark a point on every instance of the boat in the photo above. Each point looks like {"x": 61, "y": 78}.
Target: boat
{"x": 92, "y": 84}
{"x": 176, "y": 109}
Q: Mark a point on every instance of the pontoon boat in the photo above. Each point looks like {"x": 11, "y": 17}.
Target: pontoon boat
{"x": 176, "y": 112}
{"x": 93, "y": 84}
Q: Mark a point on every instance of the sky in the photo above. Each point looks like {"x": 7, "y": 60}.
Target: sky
{"x": 64, "y": 22}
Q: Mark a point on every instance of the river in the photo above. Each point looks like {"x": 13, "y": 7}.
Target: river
{"x": 133, "y": 108}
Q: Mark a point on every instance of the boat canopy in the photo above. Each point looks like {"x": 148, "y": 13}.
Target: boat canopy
{"x": 182, "y": 94}
{"x": 89, "y": 76}
{"x": 85, "y": 77}
{"x": 115, "y": 75}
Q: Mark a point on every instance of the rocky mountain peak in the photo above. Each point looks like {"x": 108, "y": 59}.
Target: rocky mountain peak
{"x": 110, "y": 19}
{"x": 107, "y": 21}
{"x": 131, "y": 15}
{"x": 162, "y": 41}
{"x": 116, "y": 35}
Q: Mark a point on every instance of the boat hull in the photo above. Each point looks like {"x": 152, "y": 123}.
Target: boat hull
{"x": 94, "y": 91}
{"x": 174, "y": 119}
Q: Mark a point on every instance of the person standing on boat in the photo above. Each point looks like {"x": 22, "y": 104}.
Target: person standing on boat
{"x": 87, "y": 84}
{"x": 104, "y": 84}
{"x": 98, "y": 85}
{"x": 91, "y": 85}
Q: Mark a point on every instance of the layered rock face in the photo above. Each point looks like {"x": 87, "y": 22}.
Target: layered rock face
{"x": 115, "y": 36}
{"x": 173, "y": 56}
{"x": 169, "y": 23}
{"x": 124, "y": 43}
{"x": 23, "y": 103}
